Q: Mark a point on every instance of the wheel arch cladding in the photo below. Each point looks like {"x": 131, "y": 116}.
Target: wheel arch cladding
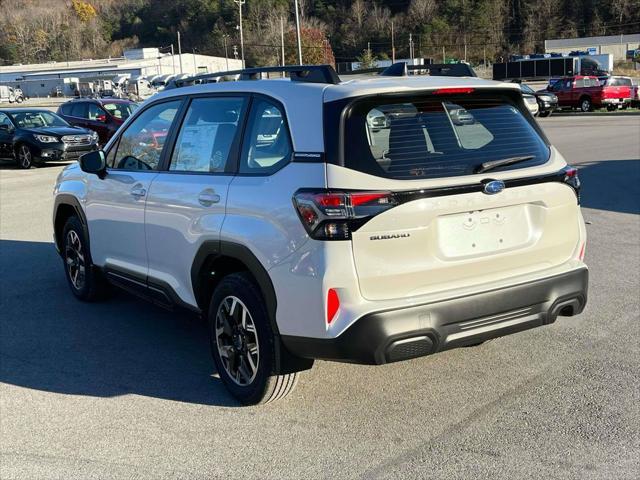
{"x": 213, "y": 261}
{"x": 66, "y": 206}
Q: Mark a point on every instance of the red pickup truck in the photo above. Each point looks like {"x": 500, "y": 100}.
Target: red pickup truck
{"x": 587, "y": 92}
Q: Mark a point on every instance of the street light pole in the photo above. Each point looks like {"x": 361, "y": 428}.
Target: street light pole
{"x": 180, "y": 51}
{"x": 240, "y": 3}
{"x": 393, "y": 45}
{"x": 282, "y": 42}
{"x": 298, "y": 34}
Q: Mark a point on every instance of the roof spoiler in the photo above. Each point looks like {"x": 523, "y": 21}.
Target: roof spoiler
{"x": 297, "y": 73}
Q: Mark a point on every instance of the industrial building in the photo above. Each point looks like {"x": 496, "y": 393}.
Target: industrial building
{"x": 616, "y": 45}
{"x": 46, "y": 79}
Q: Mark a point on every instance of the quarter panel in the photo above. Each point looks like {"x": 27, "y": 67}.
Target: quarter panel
{"x": 260, "y": 212}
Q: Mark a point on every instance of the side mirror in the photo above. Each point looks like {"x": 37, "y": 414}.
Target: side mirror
{"x": 94, "y": 162}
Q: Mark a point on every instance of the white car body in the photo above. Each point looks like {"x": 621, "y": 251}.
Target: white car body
{"x": 420, "y": 256}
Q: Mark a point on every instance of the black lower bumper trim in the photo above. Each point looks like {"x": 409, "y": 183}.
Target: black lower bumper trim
{"x": 394, "y": 335}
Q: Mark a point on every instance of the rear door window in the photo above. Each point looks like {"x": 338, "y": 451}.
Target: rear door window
{"x": 208, "y": 135}
{"x": 432, "y": 136}
{"x": 79, "y": 110}
{"x": 267, "y": 145}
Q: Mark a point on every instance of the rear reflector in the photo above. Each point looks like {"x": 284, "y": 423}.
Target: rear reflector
{"x": 581, "y": 255}
{"x": 453, "y": 91}
{"x": 333, "y": 305}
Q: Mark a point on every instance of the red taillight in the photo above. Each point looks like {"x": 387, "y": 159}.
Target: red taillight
{"x": 571, "y": 178}
{"x": 333, "y": 215}
{"x": 369, "y": 198}
{"x": 453, "y": 91}
{"x": 333, "y": 305}
{"x": 330, "y": 200}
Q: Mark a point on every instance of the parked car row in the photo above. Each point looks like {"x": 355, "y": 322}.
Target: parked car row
{"x": 33, "y": 136}
{"x": 586, "y": 92}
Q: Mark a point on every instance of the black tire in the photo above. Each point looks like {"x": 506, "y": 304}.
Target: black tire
{"x": 84, "y": 279}
{"x": 585, "y": 104}
{"x": 611, "y": 108}
{"x": 545, "y": 113}
{"x": 255, "y": 380}
{"x": 24, "y": 157}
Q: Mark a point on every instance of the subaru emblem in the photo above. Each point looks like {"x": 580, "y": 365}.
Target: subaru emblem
{"x": 492, "y": 187}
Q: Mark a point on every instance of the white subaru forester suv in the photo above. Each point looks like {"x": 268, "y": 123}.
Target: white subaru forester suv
{"x": 300, "y": 230}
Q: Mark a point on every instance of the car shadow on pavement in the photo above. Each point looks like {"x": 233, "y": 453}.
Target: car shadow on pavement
{"x": 51, "y": 341}
{"x": 612, "y": 185}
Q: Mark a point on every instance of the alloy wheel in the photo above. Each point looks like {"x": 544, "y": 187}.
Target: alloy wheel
{"x": 24, "y": 156}
{"x": 586, "y": 105}
{"x": 74, "y": 258}
{"x": 237, "y": 340}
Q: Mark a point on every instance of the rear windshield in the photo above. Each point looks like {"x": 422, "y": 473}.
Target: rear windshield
{"x": 432, "y": 136}
{"x": 619, "y": 82}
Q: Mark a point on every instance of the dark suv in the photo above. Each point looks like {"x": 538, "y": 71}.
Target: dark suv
{"x": 103, "y": 116}
{"x": 32, "y": 136}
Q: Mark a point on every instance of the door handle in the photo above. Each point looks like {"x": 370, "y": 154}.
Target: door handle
{"x": 208, "y": 198}
{"x": 138, "y": 191}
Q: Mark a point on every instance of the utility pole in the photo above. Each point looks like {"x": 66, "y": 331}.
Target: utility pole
{"x": 393, "y": 45}
{"x": 173, "y": 60}
{"x": 411, "y": 47}
{"x": 226, "y": 55}
{"x": 180, "y": 51}
{"x": 283, "y": 63}
{"x": 444, "y": 58}
{"x": 298, "y": 33}
{"x": 240, "y": 3}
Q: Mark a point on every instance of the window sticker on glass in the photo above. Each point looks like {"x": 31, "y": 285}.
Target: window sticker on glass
{"x": 195, "y": 153}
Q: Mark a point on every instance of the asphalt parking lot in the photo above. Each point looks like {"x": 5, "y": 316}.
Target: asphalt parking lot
{"x": 124, "y": 389}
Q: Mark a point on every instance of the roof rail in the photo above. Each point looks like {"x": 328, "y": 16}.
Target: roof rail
{"x": 297, "y": 73}
{"x": 402, "y": 69}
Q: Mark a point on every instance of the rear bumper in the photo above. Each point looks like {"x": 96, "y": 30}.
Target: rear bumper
{"x": 615, "y": 101}
{"x": 401, "y": 334}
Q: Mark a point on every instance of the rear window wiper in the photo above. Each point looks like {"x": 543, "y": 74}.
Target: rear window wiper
{"x": 503, "y": 161}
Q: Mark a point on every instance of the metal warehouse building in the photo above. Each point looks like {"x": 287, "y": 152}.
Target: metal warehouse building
{"x": 146, "y": 62}
{"x": 617, "y": 45}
